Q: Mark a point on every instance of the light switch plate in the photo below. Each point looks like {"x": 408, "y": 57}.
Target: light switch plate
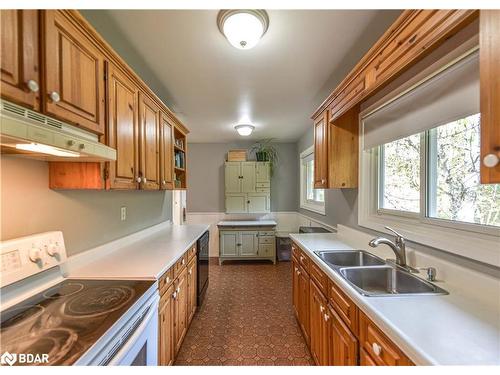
{"x": 123, "y": 213}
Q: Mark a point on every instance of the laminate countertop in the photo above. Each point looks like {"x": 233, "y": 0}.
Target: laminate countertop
{"x": 142, "y": 256}
{"x": 431, "y": 330}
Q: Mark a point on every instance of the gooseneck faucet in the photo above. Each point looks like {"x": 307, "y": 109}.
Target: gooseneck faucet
{"x": 398, "y": 246}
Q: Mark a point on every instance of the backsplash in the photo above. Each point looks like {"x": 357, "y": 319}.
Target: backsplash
{"x": 87, "y": 218}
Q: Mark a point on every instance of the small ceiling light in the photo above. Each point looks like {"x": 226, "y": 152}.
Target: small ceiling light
{"x": 244, "y": 129}
{"x": 243, "y": 28}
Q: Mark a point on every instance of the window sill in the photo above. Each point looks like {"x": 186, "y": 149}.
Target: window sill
{"x": 317, "y": 209}
{"x": 477, "y": 246}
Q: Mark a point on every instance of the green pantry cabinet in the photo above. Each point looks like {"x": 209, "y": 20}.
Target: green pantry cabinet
{"x": 247, "y": 240}
{"x": 247, "y": 187}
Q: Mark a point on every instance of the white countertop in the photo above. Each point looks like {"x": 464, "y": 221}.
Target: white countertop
{"x": 438, "y": 330}
{"x": 145, "y": 258}
{"x": 247, "y": 223}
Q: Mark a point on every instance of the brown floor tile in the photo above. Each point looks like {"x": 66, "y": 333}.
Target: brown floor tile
{"x": 246, "y": 320}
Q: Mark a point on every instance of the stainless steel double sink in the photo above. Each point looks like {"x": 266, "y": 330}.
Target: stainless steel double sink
{"x": 372, "y": 276}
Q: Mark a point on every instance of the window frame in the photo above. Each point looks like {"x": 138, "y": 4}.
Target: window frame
{"x": 452, "y": 236}
{"x": 308, "y": 204}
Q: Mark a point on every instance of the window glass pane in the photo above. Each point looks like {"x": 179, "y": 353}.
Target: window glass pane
{"x": 400, "y": 174}
{"x": 454, "y": 171}
{"x": 319, "y": 195}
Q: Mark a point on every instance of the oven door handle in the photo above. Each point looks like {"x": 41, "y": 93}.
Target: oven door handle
{"x": 131, "y": 341}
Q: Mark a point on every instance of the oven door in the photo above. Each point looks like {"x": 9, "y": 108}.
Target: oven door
{"x": 141, "y": 349}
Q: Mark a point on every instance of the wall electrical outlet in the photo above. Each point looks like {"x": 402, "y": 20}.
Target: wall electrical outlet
{"x": 123, "y": 213}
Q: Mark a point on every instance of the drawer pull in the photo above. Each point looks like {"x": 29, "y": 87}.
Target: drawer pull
{"x": 174, "y": 295}
{"x": 302, "y": 258}
{"x": 377, "y": 349}
{"x": 298, "y": 272}
{"x": 167, "y": 280}
{"x": 490, "y": 160}
{"x": 183, "y": 262}
{"x": 321, "y": 308}
{"x": 326, "y": 317}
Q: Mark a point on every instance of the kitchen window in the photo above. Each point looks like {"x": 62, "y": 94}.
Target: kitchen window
{"x": 420, "y": 157}
{"x": 310, "y": 198}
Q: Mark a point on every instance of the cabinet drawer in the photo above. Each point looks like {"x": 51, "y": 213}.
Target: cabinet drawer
{"x": 295, "y": 252}
{"x": 263, "y": 184}
{"x": 378, "y": 346}
{"x": 269, "y": 233}
{"x": 304, "y": 261}
{"x": 266, "y": 239}
{"x": 262, "y": 190}
{"x": 166, "y": 280}
{"x": 180, "y": 265}
{"x": 319, "y": 277}
{"x": 191, "y": 252}
{"x": 266, "y": 250}
{"x": 344, "y": 306}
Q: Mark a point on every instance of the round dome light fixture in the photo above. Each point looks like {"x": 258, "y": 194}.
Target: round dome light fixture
{"x": 243, "y": 28}
{"x": 244, "y": 129}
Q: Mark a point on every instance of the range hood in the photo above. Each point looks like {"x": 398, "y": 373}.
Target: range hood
{"x": 30, "y": 134}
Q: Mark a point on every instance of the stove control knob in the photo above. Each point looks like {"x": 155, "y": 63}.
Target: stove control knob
{"x": 52, "y": 249}
{"x": 35, "y": 255}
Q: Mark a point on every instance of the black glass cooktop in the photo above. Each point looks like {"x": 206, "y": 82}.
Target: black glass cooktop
{"x": 67, "y": 319}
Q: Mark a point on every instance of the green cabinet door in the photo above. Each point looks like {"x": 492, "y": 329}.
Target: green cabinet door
{"x": 249, "y": 243}
{"x": 259, "y": 202}
{"x": 248, "y": 174}
{"x": 236, "y": 203}
{"x": 262, "y": 172}
{"x": 229, "y": 243}
{"x": 233, "y": 177}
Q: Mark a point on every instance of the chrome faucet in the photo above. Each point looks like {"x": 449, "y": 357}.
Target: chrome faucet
{"x": 398, "y": 246}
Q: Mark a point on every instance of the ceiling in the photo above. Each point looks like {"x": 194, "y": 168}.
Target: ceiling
{"x": 276, "y": 86}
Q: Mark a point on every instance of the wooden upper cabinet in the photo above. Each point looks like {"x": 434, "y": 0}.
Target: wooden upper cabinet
{"x": 19, "y": 57}
{"x": 321, "y": 151}
{"x": 74, "y": 73}
{"x": 489, "y": 61}
{"x": 149, "y": 121}
{"x": 167, "y": 153}
{"x": 123, "y": 130}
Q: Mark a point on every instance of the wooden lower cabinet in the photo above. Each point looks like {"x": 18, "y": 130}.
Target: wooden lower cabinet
{"x": 343, "y": 345}
{"x": 337, "y": 332}
{"x": 166, "y": 325}
{"x": 191, "y": 289}
{"x": 177, "y": 288}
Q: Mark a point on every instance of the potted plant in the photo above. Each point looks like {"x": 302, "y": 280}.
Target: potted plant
{"x": 265, "y": 151}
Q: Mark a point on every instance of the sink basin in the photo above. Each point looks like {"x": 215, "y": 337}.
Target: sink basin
{"x": 350, "y": 258}
{"x": 386, "y": 280}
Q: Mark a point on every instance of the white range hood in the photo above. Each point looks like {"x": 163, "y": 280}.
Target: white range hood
{"x": 30, "y": 134}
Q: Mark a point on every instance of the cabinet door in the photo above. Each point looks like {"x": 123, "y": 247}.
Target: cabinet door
{"x": 295, "y": 287}
{"x": 191, "y": 285}
{"x": 262, "y": 172}
{"x": 123, "y": 130}
{"x": 232, "y": 177}
{"x": 318, "y": 309}
{"x": 489, "y": 61}
{"x": 180, "y": 309}
{"x": 166, "y": 325}
{"x": 365, "y": 359}
{"x": 259, "y": 203}
{"x": 167, "y": 152}
{"x": 19, "y": 57}
{"x": 321, "y": 151}
{"x": 248, "y": 177}
{"x": 343, "y": 345}
{"x": 149, "y": 120}
{"x": 229, "y": 243}
{"x": 74, "y": 74}
{"x": 304, "y": 304}
{"x": 236, "y": 203}
{"x": 249, "y": 243}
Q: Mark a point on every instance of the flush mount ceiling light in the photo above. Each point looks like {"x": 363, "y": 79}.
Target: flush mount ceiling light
{"x": 244, "y": 129}
{"x": 243, "y": 28}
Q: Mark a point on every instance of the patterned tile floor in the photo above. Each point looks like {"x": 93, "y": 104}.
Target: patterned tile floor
{"x": 246, "y": 319}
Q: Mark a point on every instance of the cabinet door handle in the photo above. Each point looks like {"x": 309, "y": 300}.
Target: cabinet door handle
{"x": 326, "y": 317}
{"x": 32, "y": 85}
{"x": 138, "y": 179}
{"x": 54, "y": 96}
{"x": 321, "y": 308}
{"x": 490, "y": 160}
{"x": 174, "y": 295}
{"x": 377, "y": 349}
{"x": 298, "y": 272}
{"x": 145, "y": 180}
